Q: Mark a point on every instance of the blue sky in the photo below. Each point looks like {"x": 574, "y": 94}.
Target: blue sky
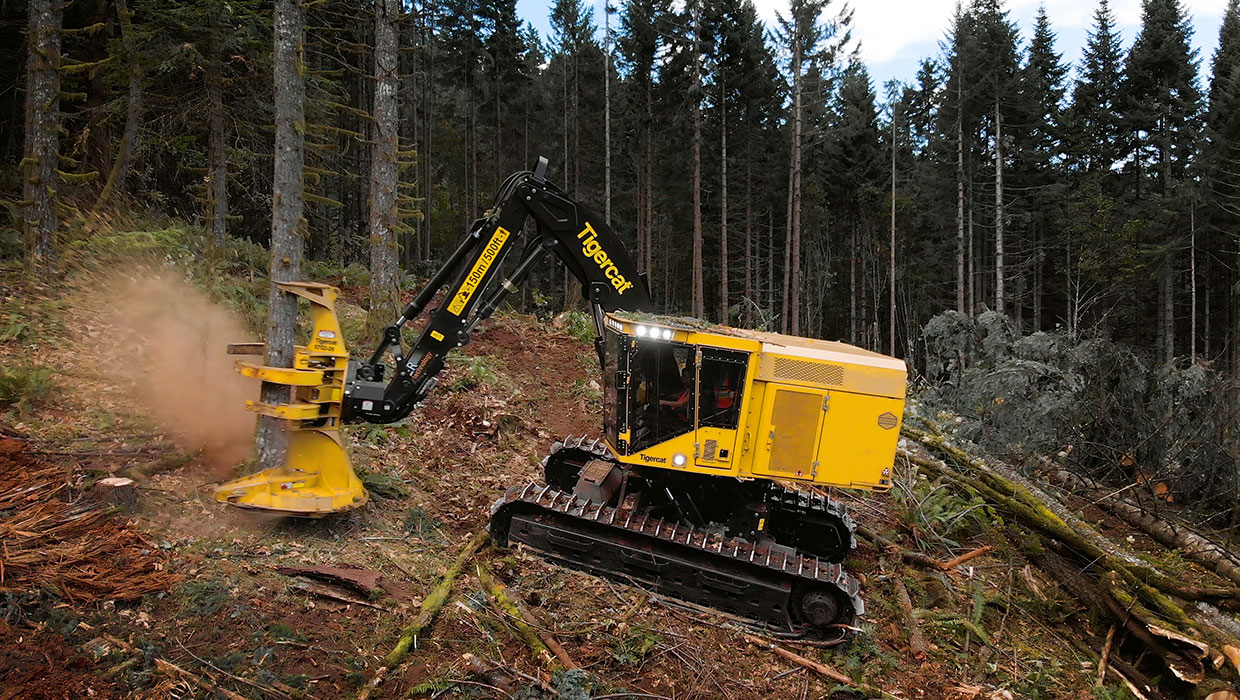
{"x": 896, "y": 34}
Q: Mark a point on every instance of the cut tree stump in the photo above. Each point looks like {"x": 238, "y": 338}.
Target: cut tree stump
{"x": 115, "y": 491}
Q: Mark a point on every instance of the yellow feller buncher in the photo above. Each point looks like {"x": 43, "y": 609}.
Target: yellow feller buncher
{"x": 690, "y": 489}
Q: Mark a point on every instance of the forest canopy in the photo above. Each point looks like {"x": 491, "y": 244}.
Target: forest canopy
{"x": 1095, "y": 194}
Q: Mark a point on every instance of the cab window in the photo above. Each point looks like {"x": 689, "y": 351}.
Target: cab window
{"x": 720, "y": 384}
{"x": 661, "y": 392}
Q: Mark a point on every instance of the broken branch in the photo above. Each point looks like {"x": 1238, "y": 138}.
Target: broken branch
{"x": 431, "y": 606}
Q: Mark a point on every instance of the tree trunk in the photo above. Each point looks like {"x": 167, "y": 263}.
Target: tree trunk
{"x": 1192, "y": 333}
{"x": 133, "y": 112}
{"x": 217, "y": 150}
{"x": 972, "y": 254}
{"x": 649, "y": 213}
{"x": 784, "y": 311}
{"x": 428, "y": 96}
{"x": 852, "y": 284}
{"x": 794, "y": 278}
{"x": 1166, "y": 290}
{"x": 607, "y": 112}
{"x": 699, "y": 307}
{"x": 287, "y": 224}
{"x": 999, "y": 291}
{"x": 1176, "y": 537}
{"x": 891, "y": 301}
{"x": 960, "y": 286}
{"x": 384, "y": 271}
{"x": 42, "y": 147}
{"x": 749, "y": 300}
{"x": 723, "y": 207}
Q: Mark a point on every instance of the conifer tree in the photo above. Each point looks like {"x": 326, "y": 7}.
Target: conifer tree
{"x": 1161, "y": 102}
{"x": 1094, "y": 136}
{"x": 1037, "y": 139}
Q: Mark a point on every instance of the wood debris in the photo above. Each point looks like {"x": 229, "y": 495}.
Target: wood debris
{"x": 53, "y": 537}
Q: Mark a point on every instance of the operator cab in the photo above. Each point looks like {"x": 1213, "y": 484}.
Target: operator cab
{"x": 690, "y": 396}
{"x": 663, "y": 391}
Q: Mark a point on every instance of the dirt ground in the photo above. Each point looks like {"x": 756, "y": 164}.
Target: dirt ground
{"x": 227, "y": 618}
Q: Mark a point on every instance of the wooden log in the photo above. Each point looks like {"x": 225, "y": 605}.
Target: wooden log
{"x": 908, "y": 557}
{"x": 532, "y": 639}
{"x": 431, "y": 606}
{"x": 953, "y": 563}
{"x": 916, "y": 641}
{"x": 1173, "y": 535}
{"x": 1106, "y": 656}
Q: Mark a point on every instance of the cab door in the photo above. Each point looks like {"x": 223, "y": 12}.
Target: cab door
{"x": 792, "y": 418}
{"x": 720, "y": 393}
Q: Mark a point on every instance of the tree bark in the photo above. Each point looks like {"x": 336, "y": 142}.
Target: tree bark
{"x": 891, "y": 301}
{"x": 287, "y": 224}
{"x": 607, "y": 112}
{"x": 699, "y": 307}
{"x": 749, "y": 300}
{"x": 217, "y": 152}
{"x": 960, "y": 282}
{"x": 1182, "y": 539}
{"x": 999, "y": 273}
{"x": 384, "y": 270}
{"x": 133, "y": 112}
{"x": 42, "y": 147}
{"x": 723, "y": 204}
{"x": 794, "y": 255}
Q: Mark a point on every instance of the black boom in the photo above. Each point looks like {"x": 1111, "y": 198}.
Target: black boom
{"x": 582, "y": 240}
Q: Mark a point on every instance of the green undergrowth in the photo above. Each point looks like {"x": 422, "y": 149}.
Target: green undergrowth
{"x": 25, "y": 387}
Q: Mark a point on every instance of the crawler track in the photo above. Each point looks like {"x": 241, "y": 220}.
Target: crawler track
{"x": 774, "y": 585}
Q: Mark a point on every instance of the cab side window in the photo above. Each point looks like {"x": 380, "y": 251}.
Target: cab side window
{"x": 719, "y": 387}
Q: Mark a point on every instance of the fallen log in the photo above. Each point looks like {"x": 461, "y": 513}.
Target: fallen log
{"x": 795, "y": 658}
{"x": 431, "y": 606}
{"x": 532, "y": 639}
{"x": 916, "y": 641}
{"x": 1191, "y": 544}
{"x": 1132, "y": 593}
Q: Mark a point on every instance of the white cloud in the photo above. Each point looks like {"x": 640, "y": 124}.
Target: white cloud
{"x": 895, "y": 34}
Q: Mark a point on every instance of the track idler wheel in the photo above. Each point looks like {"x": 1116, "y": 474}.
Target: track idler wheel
{"x": 821, "y": 610}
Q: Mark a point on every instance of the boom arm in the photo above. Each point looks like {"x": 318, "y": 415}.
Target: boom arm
{"x": 580, "y": 238}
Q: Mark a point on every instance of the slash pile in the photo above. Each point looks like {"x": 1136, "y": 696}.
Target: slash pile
{"x": 53, "y": 538}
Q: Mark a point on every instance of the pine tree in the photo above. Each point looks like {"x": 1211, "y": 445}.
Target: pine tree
{"x": 810, "y": 42}
{"x": 1221, "y": 158}
{"x": 1222, "y": 155}
{"x": 1161, "y": 99}
{"x": 995, "y": 67}
{"x": 1037, "y": 139}
{"x": 1161, "y": 103}
{"x": 1094, "y": 136}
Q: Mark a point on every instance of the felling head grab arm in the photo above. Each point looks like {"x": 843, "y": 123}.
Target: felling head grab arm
{"x": 588, "y": 247}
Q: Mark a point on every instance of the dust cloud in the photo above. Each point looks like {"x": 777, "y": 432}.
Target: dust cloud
{"x": 166, "y": 341}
